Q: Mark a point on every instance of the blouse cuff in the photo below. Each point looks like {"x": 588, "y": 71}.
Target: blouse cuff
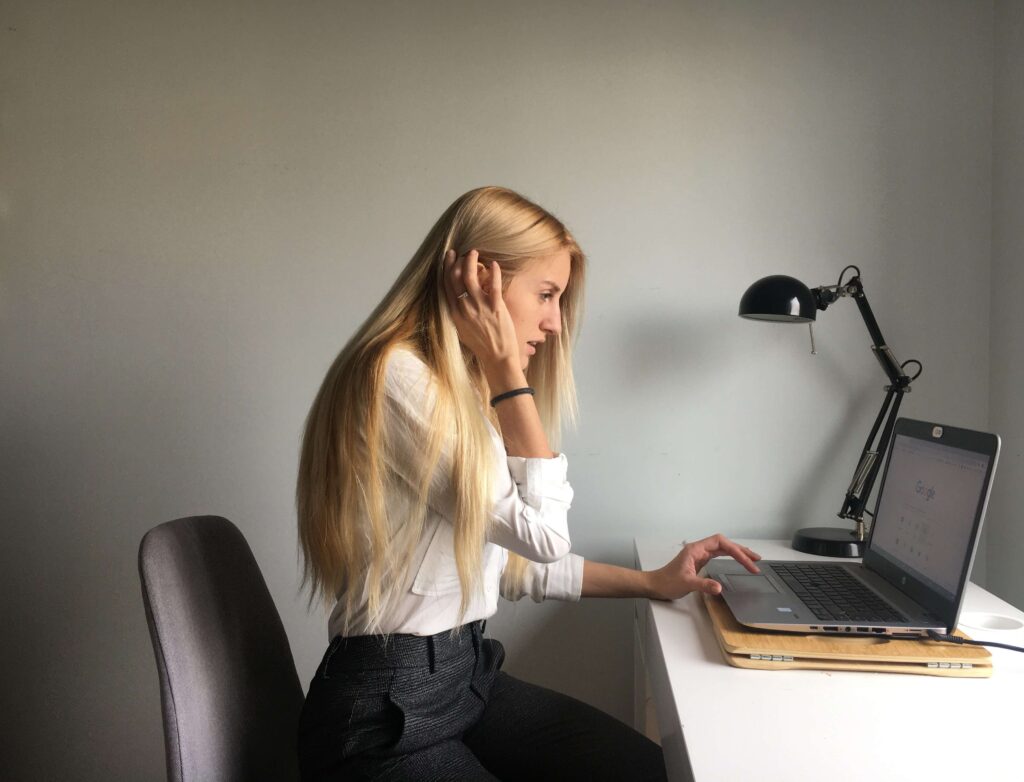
{"x": 559, "y": 580}
{"x": 566, "y": 582}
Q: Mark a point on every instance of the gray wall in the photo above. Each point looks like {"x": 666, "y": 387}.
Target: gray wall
{"x": 1006, "y": 530}
{"x": 200, "y": 202}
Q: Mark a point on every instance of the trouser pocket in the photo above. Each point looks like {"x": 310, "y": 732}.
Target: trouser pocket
{"x": 347, "y": 714}
{"x": 435, "y": 705}
{"x": 489, "y": 662}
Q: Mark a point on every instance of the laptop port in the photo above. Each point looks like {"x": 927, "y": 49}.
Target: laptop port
{"x": 862, "y": 630}
{"x": 830, "y": 629}
{"x": 878, "y": 629}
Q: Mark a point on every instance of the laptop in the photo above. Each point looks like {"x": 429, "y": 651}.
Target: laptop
{"x": 931, "y": 503}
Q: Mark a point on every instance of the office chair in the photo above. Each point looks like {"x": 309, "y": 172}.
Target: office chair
{"x": 228, "y": 687}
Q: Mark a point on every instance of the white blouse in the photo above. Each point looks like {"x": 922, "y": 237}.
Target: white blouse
{"x": 529, "y": 517}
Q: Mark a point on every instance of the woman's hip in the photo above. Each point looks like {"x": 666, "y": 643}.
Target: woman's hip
{"x": 375, "y": 698}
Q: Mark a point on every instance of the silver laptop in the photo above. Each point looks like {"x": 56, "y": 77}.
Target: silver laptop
{"x": 928, "y": 515}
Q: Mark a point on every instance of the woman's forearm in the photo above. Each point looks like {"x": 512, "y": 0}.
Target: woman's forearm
{"x": 602, "y": 580}
{"x": 521, "y": 428}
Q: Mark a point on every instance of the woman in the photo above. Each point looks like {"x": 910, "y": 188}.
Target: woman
{"x": 428, "y": 486}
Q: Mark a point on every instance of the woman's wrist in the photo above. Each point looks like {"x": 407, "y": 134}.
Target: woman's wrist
{"x": 650, "y": 579}
{"x": 603, "y": 580}
{"x": 496, "y": 400}
{"x": 504, "y": 375}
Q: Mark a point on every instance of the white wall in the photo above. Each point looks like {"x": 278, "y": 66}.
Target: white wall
{"x": 1006, "y": 530}
{"x": 201, "y": 202}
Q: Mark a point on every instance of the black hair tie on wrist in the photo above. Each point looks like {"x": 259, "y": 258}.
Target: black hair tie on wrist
{"x": 510, "y": 394}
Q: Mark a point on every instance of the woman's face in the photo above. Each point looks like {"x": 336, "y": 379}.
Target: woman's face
{"x": 532, "y": 298}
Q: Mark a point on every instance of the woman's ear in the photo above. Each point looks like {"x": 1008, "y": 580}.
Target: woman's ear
{"x": 483, "y": 275}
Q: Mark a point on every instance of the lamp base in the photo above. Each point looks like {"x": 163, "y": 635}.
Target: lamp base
{"x": 828, "y": 542}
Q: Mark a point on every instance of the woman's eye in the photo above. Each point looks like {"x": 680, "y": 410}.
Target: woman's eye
{"x": 546, "y": 296}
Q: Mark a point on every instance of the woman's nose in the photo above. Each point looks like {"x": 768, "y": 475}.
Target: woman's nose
{"x": 552, "y": 323}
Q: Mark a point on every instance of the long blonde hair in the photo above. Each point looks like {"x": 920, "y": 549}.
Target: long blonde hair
{"x": 351, "y": 548}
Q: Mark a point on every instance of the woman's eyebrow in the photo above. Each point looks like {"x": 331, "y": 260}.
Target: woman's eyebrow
{"x": 551, "y": 284}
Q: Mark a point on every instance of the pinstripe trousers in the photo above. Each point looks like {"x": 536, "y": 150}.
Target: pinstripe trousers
{"x": 429, "y": 708}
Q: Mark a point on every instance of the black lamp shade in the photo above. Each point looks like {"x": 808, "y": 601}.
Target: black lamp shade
{"x": 779, "y": 298}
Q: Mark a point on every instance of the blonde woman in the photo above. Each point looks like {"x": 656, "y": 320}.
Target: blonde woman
{"x": 428, "y": 486}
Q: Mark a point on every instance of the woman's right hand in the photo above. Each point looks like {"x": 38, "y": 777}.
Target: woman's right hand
{"x": 481, "y": 317}
{"x": 681, "y": 575}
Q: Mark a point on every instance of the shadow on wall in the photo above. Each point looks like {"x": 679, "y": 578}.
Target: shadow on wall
{"x": 81, "y": 649}
{"x": 568, "y": 647}
{"x": 655, "y": 351}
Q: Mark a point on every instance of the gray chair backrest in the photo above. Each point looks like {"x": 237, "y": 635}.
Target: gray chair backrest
{"x": 230, "y": 694}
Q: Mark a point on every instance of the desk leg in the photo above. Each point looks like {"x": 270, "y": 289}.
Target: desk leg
{"x": 673, "y": 744}
{"x": 645, "y": 719}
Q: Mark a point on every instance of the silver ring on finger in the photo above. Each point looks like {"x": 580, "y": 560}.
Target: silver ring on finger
{"x": 463, "y": 295}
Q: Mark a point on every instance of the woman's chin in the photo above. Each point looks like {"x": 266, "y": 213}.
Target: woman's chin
{"x": 525, "y": 357}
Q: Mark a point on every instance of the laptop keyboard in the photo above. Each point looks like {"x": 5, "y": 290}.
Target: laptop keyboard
{"x": 833, "y": 594}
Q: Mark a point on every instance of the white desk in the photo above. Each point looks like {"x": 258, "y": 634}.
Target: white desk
{"x": 717, "y": 722}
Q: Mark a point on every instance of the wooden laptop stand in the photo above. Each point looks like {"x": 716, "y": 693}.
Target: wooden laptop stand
{"x": 745, "y": 647}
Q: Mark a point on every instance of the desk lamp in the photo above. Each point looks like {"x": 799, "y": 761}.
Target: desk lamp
{"x": 787, "y": 300}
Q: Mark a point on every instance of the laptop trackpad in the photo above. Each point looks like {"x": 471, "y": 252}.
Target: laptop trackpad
{"x": 750, "y": 583}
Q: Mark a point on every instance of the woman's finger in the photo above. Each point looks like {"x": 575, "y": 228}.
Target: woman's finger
{"x": 469, "y": 276}
{"x": 710, "y": 586}
{"x": 738, "y": 553}
{"x": 458, "y": 281}
{"x": 719, "y": 545}
{"x": 495, "y": 285}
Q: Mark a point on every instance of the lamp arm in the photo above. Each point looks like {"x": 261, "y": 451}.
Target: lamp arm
{"x": 826, "y": 295}
{"x": 864, "y": 476}
{"x": 856, "y": 288}
{"x": 870, "y": 463}
{"x": 882, "y": 352}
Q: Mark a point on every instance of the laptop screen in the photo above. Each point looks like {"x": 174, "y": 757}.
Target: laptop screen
{"x": 925, "y": 518}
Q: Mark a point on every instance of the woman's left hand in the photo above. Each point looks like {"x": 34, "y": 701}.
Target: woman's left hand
{"x": 679, "y": 577}
{"x": 481, "y": 317}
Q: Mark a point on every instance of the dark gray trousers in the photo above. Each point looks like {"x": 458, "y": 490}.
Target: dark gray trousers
{"x": 439, "y": 708}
